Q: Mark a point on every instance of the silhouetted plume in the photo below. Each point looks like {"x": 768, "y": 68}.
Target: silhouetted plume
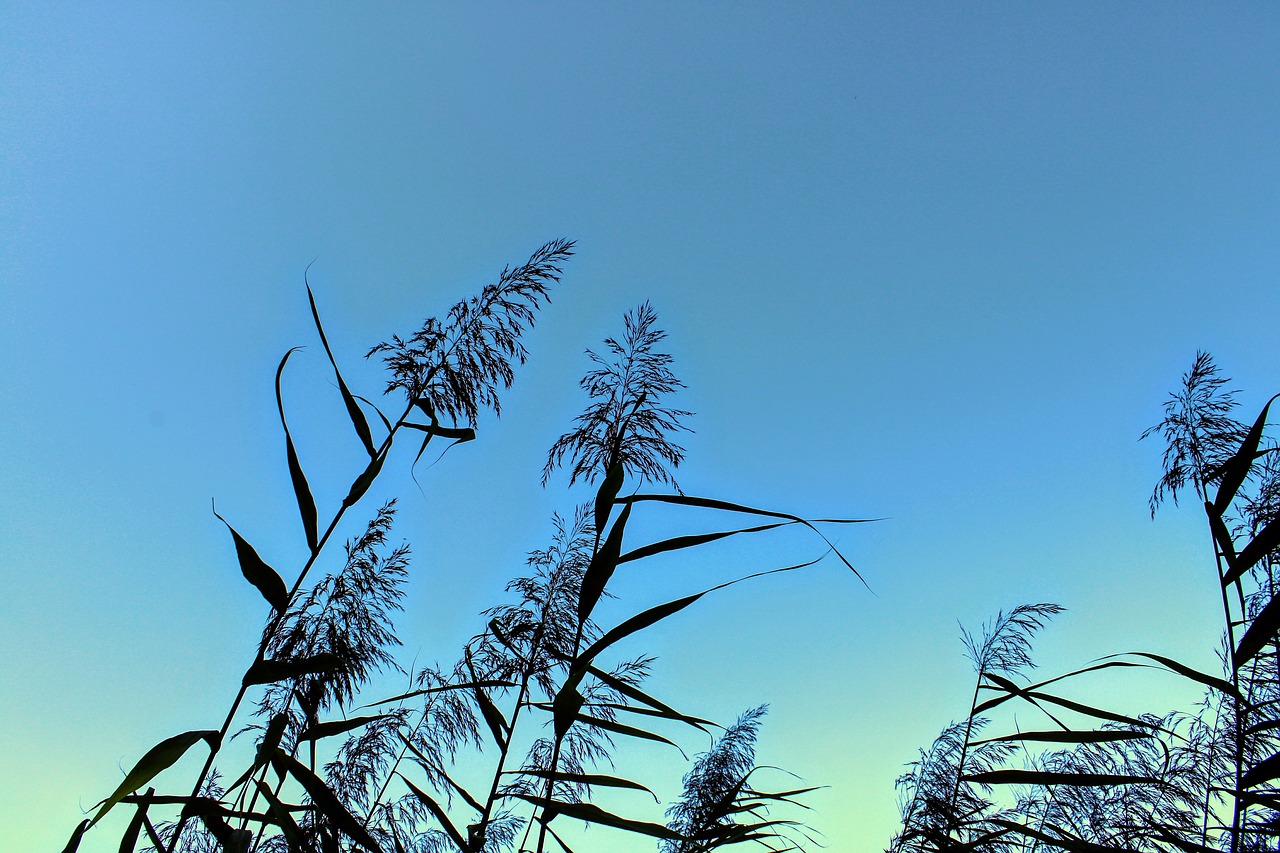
{"x": 456, "y": 366}
{"x": 625, "y": 423}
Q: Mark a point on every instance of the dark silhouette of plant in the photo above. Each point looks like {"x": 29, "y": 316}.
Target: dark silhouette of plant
{"x": 625, "y": 424}
{"x": 537, "y": 700}
{"x": 719, "y": 807}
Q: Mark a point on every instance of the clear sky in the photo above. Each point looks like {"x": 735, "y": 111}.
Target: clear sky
{"x": 933, "y": 262}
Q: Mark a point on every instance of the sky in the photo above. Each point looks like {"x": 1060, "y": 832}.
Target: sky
{"x": 935, "y": 264}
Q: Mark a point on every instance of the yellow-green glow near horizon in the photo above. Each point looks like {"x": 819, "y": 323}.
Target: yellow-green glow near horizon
{"x": 931, "y": 263}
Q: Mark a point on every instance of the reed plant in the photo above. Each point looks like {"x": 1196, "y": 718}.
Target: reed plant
{"x": 536, "y": 704}
{"x": 1096, "y": 780}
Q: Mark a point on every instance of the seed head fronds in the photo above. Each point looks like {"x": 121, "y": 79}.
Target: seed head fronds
{"x": 625, "y": 423}
{"x": 1198, "y": 429}
{"x": 455, "y": 366}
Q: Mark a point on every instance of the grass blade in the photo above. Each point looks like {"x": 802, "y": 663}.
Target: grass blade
{"x": 268, "y": 671}
{"x": 585, "y": 779}
{"x": 353, "y": 410}
{"x": 594, "y": 814}
{"x": 603, "y": 562}
{"x": 726, "y": 506}
{"x": 302, "y": 491}
{"x": 257, "y": 572}
{"x": 1237, "y": 467}
{"x": 336, "y": 727}
{"x": 439, "y": 813}
{"x": 324, "y": 799}
{"x": 158, "y": 758}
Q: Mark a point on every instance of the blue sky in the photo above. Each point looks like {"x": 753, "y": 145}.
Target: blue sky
{"x": 928, "y": 262}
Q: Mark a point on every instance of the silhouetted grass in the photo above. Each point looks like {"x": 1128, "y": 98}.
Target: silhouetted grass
{"x": 537, "y": 703}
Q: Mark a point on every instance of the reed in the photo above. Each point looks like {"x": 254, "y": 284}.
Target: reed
{"x": 1096, "y": 780}
{"x": 536, "y": 704}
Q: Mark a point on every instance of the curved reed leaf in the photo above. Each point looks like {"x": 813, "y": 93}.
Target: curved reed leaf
{"x": 158, "y": 758}
{"x": 1236, "y": 469}
{"x": 623, "y": 729}
{"x": 1049, "y": 778}
{"x": 302, "y": 491}
{"x": 603, "y": 563}
{"x": 336, "y": 727}
{"x": 257, "y": 572}
{"x": 365, "y": 480}
{"x": 1262, "y": 631}
{"x": 440, "y": 815}
{"x": 584, "y": 779}
{"x": 1194, "y": 674}
{"x": 353, "y": 411}
{"x": 73, "y": 844}
{"x": 632, "y": 692}
{"x": 1070, "y": 736}
{"x": 324, "y": 799}
{"x": 594, "y": 814}
{"x": 656, "y": 614}
{"x": 727, "y": 506}
{"x": 269, "y": 671}
{"x": 677, "y": 543}
{"x": 1263, "y": 771}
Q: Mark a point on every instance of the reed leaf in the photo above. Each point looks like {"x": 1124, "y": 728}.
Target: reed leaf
{"x": 353, "y": 410}
{"x": 324, "y": 799}
{"x": 594, "y": 814}
{"x": 257, "y": 572}
{"x": 160, "y": 757}
{"x": 301, "y": 491}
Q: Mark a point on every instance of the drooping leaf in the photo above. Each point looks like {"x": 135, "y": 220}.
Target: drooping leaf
{"x": 434, "y": 767}
{"x": 726, "y": 506}
{"x": 584, "y": 779}
{"x": 293, "y": 835}
{"x": 336, "y": 727}
{"x": 624, "y": 729}
{"x": 1035, "y": 695}
{"x": 1069, "y": 736}
{"x": 158, "y": 758}
{"x": 440, "y": 815}
{"x": 594, "y": 814}
{"x": 302, "y": 491}
{"x": 258, "y": 573}
{"x": 269, "y": 671}
{"x": 632, "y": 692}
{"x": 1048, "y": 778}
{"x": 1194, "y": 674}
{"x": 656, "y": 614}
{"x": 1060, "y": 839}
{"x": 493, "y": 718}
{"x": 324, "y": 799}
{"x": 353, "y": 410}
{"x": 677, "y": 543}
{"x": 601, "y": 568}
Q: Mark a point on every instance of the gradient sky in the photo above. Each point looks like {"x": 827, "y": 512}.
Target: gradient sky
{"x": 932, "y": 262}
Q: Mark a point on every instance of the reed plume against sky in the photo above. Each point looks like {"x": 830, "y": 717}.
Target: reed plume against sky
{"x": 932, "y": 263}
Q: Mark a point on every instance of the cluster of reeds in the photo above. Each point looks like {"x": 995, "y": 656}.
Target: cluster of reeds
{"x": 536, "y": 704}
{"x": 1094, "y": 780}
